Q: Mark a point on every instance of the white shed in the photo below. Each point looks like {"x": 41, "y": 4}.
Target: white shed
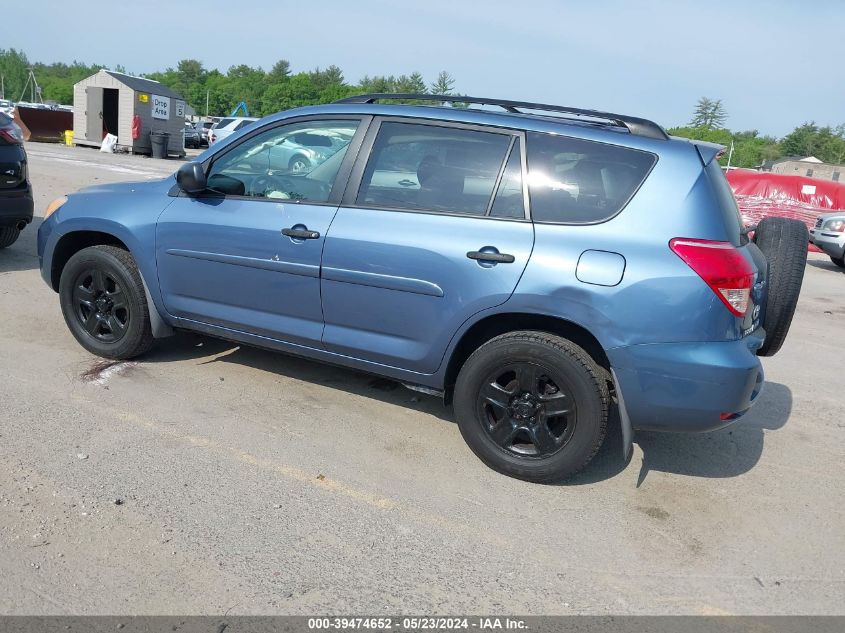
{"x": 107, "y": 102}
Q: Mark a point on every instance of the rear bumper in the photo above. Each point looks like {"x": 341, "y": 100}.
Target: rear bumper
{"x": 688, "y": 387}
{"x": 15, "y": 205}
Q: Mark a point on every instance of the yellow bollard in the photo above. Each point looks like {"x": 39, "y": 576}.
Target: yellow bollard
{"x": 68, "y": 137}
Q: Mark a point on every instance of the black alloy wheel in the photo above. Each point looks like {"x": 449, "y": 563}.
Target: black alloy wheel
{"x": 100, "y": 305}
{"x": 527, "y": 409}
{"x": 105, "y": 304}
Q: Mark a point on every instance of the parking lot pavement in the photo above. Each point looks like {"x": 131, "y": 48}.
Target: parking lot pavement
{"x": 210, "y": 477}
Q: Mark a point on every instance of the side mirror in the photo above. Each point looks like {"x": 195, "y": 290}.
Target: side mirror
{"x": 191, "y": 178}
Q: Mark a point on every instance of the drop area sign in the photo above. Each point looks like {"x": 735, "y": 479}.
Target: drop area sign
{"x": 161, "y": 107}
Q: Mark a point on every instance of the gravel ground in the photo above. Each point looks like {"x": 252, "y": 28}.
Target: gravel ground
{"x": 210, "y": 478}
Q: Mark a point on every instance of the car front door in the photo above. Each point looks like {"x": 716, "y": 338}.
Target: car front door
{"x": 245, "y": 254}
{"x": 433, "y": 229}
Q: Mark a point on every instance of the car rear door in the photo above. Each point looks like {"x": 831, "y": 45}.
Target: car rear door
{"x": 245, "y": 254}
{"x": 433, "y": 229}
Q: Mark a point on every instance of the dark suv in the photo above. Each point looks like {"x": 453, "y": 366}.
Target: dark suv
{"x": 15, "y": 190}
{"x": 533, "y": 268}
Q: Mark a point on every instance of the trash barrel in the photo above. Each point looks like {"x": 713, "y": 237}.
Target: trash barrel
{"x": 159, "y": 143}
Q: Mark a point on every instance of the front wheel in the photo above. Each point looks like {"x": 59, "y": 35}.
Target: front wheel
{"x": 104, "y": 303}
{"x": 839, "y": 261}
{"x": 532, "y": 405}
{"x": 299, "y": 164}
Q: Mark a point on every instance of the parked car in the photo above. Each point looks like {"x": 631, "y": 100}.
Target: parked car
{"x": 530, "y": 269}
{"x": 829, "y": 236}
{"x": 192, "y": 136}
{"x": 204, "y": 127}
{"x": 16, "y": 204}
{"x": 228, "y": 126}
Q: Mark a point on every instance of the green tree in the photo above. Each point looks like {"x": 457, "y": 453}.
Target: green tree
{"x": 444, "y": 84}
{"x": 280, "y": 71}
{"x": 709, "y": 113}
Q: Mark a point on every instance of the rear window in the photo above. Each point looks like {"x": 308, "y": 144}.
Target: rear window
{"x": 576, "y": 181}
{"x": 224, "y": 123}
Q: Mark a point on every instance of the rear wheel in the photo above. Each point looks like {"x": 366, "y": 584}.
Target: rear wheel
{"x": 8, "y": 236}
{"x": 784, "y": 243}
{"x": 104, "y": 303}
{"x": 839, "y": 261}
{"x": 532, "y": 405}
{"x": 299, "y": 164}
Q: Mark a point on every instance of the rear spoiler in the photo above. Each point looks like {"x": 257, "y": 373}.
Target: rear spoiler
{"x": 706, "y": 151}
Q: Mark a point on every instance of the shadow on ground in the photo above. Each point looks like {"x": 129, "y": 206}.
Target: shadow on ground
{"x": 825, "y": 264}
{"x": 726, "y": 453}
{"x": 22, "y": 255}
{"x": 186, "y": 346}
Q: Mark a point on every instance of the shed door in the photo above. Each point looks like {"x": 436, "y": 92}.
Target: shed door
{"x": 94, "y": 114}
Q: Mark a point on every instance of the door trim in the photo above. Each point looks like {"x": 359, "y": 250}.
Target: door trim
{"x": 389, "y": 282}
{"x": 291, "y": 268}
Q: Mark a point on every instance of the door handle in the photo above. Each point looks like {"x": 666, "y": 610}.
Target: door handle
{"x": 499, "y": 258}
{"x": 301, "y": 234}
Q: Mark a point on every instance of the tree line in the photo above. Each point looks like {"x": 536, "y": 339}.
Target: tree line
{"x": 750, "y": 149}
{"x": 217, "y": 93}
{"x": 279, "y": 88}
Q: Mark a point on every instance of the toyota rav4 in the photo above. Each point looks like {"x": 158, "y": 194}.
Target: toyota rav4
{"x": 532, "y": 264}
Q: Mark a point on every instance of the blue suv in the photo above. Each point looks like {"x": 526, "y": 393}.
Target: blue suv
{"x": 533, "y": 264}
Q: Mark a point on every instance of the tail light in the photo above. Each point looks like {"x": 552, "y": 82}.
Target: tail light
{"x": 722, "y": 267}
{"x": 11, "y": 134}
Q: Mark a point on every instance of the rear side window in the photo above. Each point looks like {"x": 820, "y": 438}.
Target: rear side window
{"x": 426, "y": 167}
{"x": 224, "y": 123}
{"x": 576, "y": 181}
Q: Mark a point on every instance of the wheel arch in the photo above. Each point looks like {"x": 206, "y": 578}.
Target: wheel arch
{"x": 494, "y": 325}
{"x": 71, "y": 243}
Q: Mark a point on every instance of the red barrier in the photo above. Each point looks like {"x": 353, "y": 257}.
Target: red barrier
{"x": 762, "y": 194}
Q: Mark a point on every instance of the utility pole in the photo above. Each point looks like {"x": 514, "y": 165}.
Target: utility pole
{"x": 206, "y": 104}
{"x": 2, "y": 87}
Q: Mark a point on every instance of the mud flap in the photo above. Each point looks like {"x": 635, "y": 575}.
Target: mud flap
{"x": 159, "y": 327}
{"x": 624, "y": 420}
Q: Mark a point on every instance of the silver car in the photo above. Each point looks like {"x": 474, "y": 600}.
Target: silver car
{"x": 829, "y": 235}
{"x": 302, "y": 151}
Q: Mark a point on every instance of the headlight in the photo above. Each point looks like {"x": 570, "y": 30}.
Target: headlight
{"x": 837, "y": 226}
{"x": 54, "y": 206}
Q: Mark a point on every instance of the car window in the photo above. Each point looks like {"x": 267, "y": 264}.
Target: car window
{"x": 426, "y": 167}
{"x": 573, "y": 180}
{"x": 272, "y": 165}
{"x": 224, "y": 123}
{"x": 509, "y": 200}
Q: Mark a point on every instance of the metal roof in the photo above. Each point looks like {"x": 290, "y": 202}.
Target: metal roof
{"x": 139, "y": 84}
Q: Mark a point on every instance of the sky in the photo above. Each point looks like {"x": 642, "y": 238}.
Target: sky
{"x": 775, "y": 63}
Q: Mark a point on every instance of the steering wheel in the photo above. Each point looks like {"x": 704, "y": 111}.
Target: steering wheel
{"x": 262, "y": 185}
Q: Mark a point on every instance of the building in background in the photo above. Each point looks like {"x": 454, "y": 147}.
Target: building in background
{"x": 129, "y": 107}
{"x": 809, "y": 166}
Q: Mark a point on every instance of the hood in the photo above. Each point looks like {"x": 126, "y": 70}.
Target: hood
{"x": 142, "y": 186}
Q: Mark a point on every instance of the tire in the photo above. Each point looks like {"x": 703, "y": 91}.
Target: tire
{"x": 839, "y": 261}
{"x": 104, "y": 304}
{"x": 517, "y": 435}
{"x": 784, "y": 243}
{"x": 299, "y": 164}
{"x": 8, "y": 236}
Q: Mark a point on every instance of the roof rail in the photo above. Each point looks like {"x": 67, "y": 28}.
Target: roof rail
{"x": 635, "y": 125}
